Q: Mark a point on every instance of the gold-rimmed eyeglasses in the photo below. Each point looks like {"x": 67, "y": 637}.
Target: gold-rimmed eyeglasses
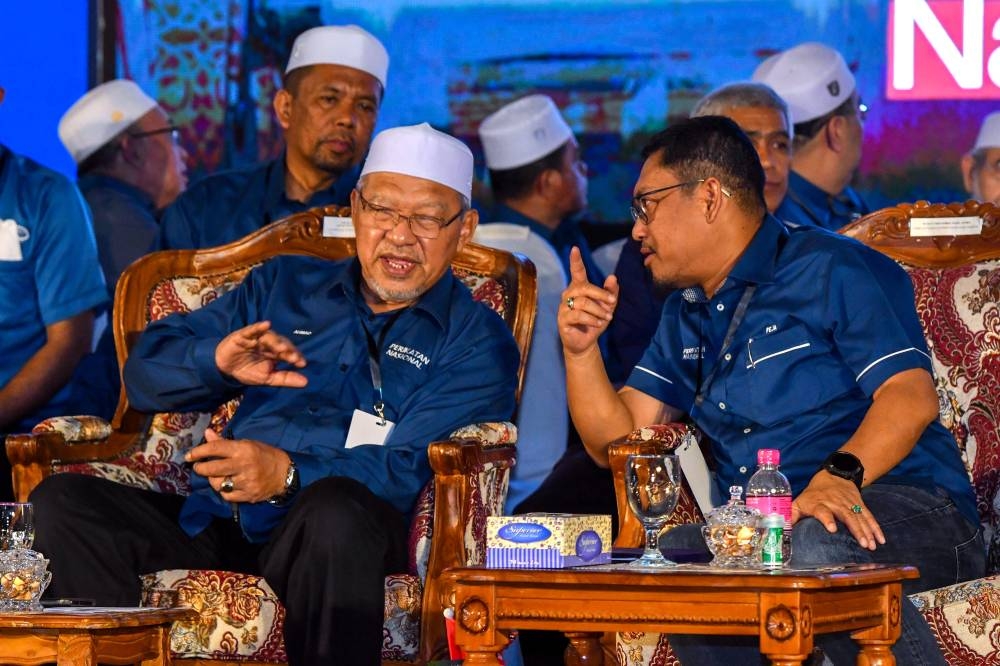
{"x": 422, "y": 226}
{"x": 641, "y": 207}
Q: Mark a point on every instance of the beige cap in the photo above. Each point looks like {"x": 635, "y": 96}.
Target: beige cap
{"x": 989, "y": 133}
{"x": 347, "y": 45}
{"x": 522, "y": 132}
{"x": 423, "y": 152}
{"x": 102, "y": 114}
{"x": 812, "y": 78}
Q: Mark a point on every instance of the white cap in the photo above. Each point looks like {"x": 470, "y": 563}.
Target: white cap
{"x": 989, "y": 133}
{"x": 347, "y": 45}
{"x": 423, "y": 152}
{"x": 102, "y": 114}
{"x": 812, "y": 78}
{"x": 522, "y": 132}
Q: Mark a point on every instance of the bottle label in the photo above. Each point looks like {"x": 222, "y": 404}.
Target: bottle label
{"x": 766, "y": 504}
{"x": 771, "y": 553}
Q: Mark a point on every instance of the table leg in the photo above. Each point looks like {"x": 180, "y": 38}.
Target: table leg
{"x": 876, "y": 654}
{"x": 75, "y": 649}
{"x": 486, "y": 658}
{"x": 162, "y": 639}
{"x": 584, "y": 649}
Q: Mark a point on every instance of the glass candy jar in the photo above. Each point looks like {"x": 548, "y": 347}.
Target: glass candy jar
{"x": 24, "y": 576}
{"x": 733, "y": 534}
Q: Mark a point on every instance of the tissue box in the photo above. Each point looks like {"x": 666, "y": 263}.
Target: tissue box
{"x": 547, "y": 541}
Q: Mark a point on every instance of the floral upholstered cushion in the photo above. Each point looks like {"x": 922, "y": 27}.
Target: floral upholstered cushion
{"x": 965, "y": 619}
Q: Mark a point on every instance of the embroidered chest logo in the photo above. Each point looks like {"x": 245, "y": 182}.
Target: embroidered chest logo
{"x": 301, "y": 331}
{"x": 691, "y": 353}
{"x": 408, "y": 354}
{"x": 771, "y": 329}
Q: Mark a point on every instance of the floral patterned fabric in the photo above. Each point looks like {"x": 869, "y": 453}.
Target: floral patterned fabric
{"x": 240, "y": 617}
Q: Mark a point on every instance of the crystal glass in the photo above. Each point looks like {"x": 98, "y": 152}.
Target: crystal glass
{"x": 733, "y": 534}
{"x": 17, "y": 526}
{"x": 653, "y": 484}
{"x": 24, "y": 575}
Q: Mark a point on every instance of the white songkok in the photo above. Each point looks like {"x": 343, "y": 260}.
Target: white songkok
{"x": 522, "y": 132}
{"x": 812, "y": 78}
{"x": 346, "y": 45}
{"x": 423, "y": 152}
{"x": 989, "y": 133}
{"x": 102, "y": 114}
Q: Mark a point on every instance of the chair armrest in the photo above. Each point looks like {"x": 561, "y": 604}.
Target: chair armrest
{"x": 659, "y": 438}
{"x": 64, "y": 439}
{"x": 471, "y": 472}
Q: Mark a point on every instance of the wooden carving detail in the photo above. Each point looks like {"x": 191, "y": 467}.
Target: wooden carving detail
{"x": 474, "y": 616}
{"x": 780, "y": 623}
{"x": 806, "y": 621}
{"x": 894, "y": 610}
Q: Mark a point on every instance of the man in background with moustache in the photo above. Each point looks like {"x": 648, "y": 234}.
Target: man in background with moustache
{"x": 333, "y": 86}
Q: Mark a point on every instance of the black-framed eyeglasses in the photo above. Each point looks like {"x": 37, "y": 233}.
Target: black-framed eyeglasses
{"x": 175, "y": 133}
{"x": 639, "y": 210}
{"x": 422, "y": 226}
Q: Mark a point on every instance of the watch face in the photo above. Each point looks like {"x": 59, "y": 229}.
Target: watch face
{"x": 845, "y": 463}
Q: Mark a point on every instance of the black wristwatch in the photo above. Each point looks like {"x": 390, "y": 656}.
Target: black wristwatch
{"x": 846, "y": 466}
{"x": 291, "y": 486}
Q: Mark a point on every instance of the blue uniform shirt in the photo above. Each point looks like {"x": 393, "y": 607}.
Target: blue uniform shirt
{"x": 809, "y": 205}
{"x": 57, "y": 275}
{"x": 227, "y": 206}
{"x": 124, "y": 223}
{"x": 447, "y": 361}
{"x": 829, "y": 322}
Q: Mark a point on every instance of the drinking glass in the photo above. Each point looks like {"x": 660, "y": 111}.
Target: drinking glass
{"x": 653, "y": 484}
{"x": 17, "y": 526}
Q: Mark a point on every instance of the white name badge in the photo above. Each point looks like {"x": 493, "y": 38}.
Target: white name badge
{"x": 337, "y": 227}
{"x": 367, "y": 429}
{"x": 946, "y": 226}
{"x": 696, "y": 472}
{"x": 10, "y": 243}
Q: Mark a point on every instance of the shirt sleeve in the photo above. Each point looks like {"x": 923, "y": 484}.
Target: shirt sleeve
{"x": 67, "y": 273}
{"x": 172, "y": 366}
{"x": 653, "y": 374}
{"x": 474, "y": 382}
{"x": 871, "y": 313}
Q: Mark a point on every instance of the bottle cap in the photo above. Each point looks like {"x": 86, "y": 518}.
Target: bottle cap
{"x": 773, "y": 520}
{"x": 768, "y": 457}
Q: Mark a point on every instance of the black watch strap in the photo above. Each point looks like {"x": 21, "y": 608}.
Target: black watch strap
{"x": 846, "y": 466}
{"x": 291, "y": 486}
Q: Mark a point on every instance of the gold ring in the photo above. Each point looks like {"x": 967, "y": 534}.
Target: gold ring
{"x": 856, "y": 508}
{"x": 227, "y": 485}
{"x": 569, "y": 302}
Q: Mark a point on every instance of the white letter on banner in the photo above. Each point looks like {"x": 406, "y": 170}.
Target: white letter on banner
{"x": 965, "y": 66}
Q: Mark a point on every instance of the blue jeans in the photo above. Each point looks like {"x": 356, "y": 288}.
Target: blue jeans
{"x": 922, "y": 528}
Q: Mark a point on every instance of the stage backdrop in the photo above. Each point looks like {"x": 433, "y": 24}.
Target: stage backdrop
{"x": 619, "y": 70}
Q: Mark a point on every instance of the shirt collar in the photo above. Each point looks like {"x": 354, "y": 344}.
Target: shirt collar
{"x": 758, "y": 261}
{"x": 92, "y": 180}
{"x": 504, "y": 213}
{"x": 436, "y": 301}
{"x": 276, "y": 203}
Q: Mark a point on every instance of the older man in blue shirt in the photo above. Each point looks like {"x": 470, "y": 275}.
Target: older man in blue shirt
{"x": 334, "y": 83}
{"x": 348, "y": 370}
{"x": 794, "y": 339}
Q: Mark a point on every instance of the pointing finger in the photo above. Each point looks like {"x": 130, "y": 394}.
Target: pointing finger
{"x": 577, "y": 271}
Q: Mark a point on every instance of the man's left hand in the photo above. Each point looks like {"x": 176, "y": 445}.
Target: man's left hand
{"x": 829, "y": 498}
{"x": 256, "y": 470}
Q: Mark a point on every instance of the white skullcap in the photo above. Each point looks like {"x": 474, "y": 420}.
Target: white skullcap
{"x": 102, "y": 114}
{"x": 989, "y": 133}
{"x": 346, "y": 45}
{"x": 522, "y": 132}
{"x": 423, "y": 152}
{"x": 812, "y": 78}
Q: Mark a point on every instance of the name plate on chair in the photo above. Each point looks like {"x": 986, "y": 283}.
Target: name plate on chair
{"x": 946, "y": 226}
{"x": 337, "y": 227}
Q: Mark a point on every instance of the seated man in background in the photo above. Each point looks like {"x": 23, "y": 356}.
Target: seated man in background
{"x": 130, "y": 166}
{"x": 764, "y": 118}
{"x": 333, "y": 86}
{"x": 787, "y": 338}
{"x": 50, "y": 289}
{"x": 348, "y": 371}
{"x": 829, "y": 119}
{"x": 981, "y": 166}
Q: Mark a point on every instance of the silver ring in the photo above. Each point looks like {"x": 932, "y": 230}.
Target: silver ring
{"x": 569, "y": 302}
{"x": 227, "y": 485}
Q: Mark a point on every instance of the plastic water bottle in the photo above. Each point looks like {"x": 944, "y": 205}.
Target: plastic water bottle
{"x": 769, "y": 492}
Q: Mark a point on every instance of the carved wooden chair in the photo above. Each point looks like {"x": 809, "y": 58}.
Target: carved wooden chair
{"x": 956, "y": 281}
{"x": 240, "y": 619}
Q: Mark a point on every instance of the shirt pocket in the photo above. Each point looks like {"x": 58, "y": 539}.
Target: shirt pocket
{"x": 787, "y": 373}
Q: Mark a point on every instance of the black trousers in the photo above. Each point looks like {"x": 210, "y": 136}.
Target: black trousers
{"x": 326, "y": 561}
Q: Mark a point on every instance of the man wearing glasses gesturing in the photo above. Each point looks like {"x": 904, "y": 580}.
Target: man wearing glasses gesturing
{"x": 788, "y": 338}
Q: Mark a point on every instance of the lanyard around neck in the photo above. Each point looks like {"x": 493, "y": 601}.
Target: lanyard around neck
{"x": 701, "y": 388}
{"x": 374, "y": 364}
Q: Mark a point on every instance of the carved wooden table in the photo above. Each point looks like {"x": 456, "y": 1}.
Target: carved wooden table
{"x": 86, "y": 636}
{"x": 784, "y": 609}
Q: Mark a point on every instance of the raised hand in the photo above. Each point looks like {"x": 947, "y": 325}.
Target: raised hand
{"x": 251, "y": 355}
{"x": 256, "y": 470}
{"x": 586, "y": 308}
{"x": 829, "y": 499}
